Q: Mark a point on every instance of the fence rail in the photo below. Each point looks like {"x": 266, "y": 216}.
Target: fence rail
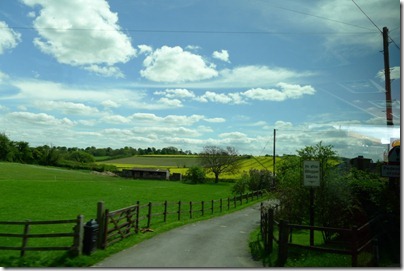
{"x": 361, "y": 238}
{"x": 76, "y": 234}
{"x": 120, "y": 224}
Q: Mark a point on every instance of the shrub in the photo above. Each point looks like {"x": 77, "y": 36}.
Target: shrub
{"x": 260, "y": 179}
{"x": 241, "y": 184}
{"x": 195, "y": 174}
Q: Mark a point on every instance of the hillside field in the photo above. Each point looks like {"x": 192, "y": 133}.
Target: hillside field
{"x": 180, "y": 163}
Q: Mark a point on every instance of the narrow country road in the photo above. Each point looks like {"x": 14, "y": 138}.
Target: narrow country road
{"x": 217, "y": 242}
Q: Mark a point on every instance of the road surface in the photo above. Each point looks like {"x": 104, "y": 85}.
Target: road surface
{"x": 217, "y": 242}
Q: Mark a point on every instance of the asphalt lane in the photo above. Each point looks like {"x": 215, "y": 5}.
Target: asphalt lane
{"x": 217, "y": 242}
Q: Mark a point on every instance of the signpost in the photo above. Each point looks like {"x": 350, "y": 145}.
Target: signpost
{"x": 392, "y": 169}
{"x": 311, "y": 173}
{"x": 311, "y": 178}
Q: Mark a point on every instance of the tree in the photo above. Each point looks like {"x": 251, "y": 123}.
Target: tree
{"x": 80, "y": 157}
{"x": 219, "y": 160}
{"x": 5, "y": 147}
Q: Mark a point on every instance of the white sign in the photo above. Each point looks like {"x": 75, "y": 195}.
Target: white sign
{"x": 311, "y": 173}
{"x": 392, "y": 171}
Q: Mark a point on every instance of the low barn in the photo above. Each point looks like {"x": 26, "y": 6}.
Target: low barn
{"x": 146, "y": 173}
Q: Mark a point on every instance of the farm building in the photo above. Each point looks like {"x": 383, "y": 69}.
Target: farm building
{"x": 146, "y": 173}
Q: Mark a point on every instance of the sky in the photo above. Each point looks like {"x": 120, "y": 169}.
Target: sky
{"x": 193, "y": 73}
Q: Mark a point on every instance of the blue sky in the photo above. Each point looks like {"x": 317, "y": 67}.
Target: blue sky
{"x": 191, "y": 73}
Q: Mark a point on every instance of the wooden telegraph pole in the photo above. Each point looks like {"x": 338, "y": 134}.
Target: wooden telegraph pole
{"x": 389, "y": 113}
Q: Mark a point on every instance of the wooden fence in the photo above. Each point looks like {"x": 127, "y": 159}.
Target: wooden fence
{"x": 356, "y": 239}
{"x": 26, "y": 235}
{"x": 119, "y": 224}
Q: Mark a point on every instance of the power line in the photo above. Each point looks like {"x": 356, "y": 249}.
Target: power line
{"x": 187, "y": 31}
{"x": 367, "y": 16}
{"x": 374, "y": 23}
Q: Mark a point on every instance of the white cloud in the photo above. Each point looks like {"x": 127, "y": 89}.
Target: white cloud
{"x": 173, "y": 103}
{"x": 110, "y": 104}
{"x": 176, "y": 93}
{"x": 394, "y": 73}
{"x": 257, "y": 76}
{"x": 115, "y": 119}
{"x": 173, "y": 64}
{"x": 215, "y": 120}
{"x": 108, "y": 71}
{"x": 144, "y": 49}
{"x": 172, "y": 120}
{"x": 286, "y": 91}
{"x": 84, "y": 34}
{"x": 67, "y": 107}
{"x": 40, "y": 119}
{"x": 222, "y": 55}
{"x": 8, "y": 38}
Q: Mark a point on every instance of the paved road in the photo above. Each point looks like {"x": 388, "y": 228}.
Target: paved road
{"x": 217, "y": 242}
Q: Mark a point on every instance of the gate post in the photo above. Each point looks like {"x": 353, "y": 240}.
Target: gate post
{"x": 101, "y": 223}
{"x": 270, "y": 234}
{"x": 283, "y": 242}
{"x": 354, "y": 249}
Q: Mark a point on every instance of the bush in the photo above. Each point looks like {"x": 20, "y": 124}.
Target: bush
{"x": 241, "y": 185}
{"x": 195, "y": 175}
{"x": 260, "y": 180}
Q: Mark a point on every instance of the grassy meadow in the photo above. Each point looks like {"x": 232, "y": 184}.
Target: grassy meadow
{"x": 49, "y": 193}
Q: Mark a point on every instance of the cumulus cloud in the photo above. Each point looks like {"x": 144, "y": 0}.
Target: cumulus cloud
{"x": 180, "y": 120}
{"x": 8, "y": 38}
{"x": 256, "y": 75}
{"x": 285, "y": 91}
{"x": 84, "y": 34}
{"x": 223, "y": 55}
{"x": 176, "y": 93}
{"x": 40, "y": 119}
{"x": 394, "y": 73}
{"x": 173, "y": 64}
{"x": 144, "y": 49}
{"x": 68, "y": 107}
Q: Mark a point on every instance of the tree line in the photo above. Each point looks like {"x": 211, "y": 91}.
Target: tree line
{"x": 22, "y": 152}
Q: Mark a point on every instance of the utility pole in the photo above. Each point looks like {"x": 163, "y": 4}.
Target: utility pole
{"x": 389, "y": 113}
{"x": 274, "y": 163}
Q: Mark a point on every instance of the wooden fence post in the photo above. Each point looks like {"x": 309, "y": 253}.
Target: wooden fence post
{"x": 104, "y": 237}
{"x": 212, "y": 205}
{"x": 78, "y": 236}
{"x": 137, "y": 216}
{"x": 241, "y": 199}
{"x": 221, "y": 204}
{"x": 149, "y": 214}
{"x": 25, "y": 237}
{"x": 179, "y": 210}
{"x": 354, "y": 244}
{"x": 101, "y": 222}
{"x": 234, "y": 199}
{"x": 375, "y": 247}
{"x": 165, "y": 211}
{"x": 283, "y": 242}
{"x": 203, "y": 208}
{"x": 190, "y": 209}
{"x": 228, "y": 203}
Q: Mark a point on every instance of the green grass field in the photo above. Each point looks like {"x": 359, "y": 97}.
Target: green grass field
{"x": 48, "y": 193}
